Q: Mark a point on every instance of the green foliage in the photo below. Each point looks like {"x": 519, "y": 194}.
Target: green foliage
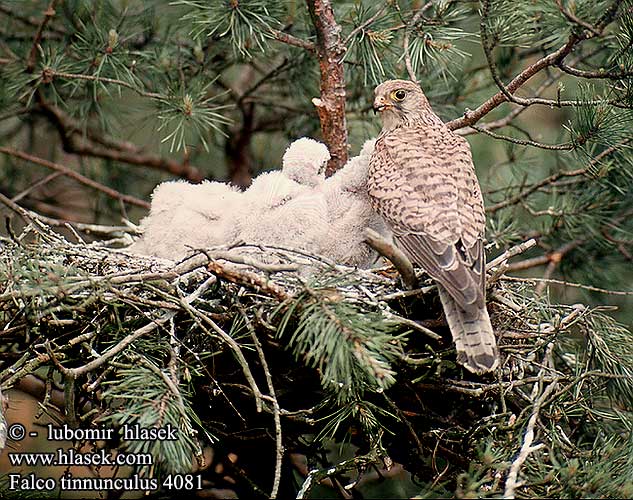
{"x": 244, "y": 22}
{"x": 139, "y": 396}
{"x": 371, "y": 418}
{"x": 368, "y": 47}
{"x": 509, "y": 26}
{"x": 611, "y": 351}
{"x": 349, "y": 344}
{"x": 101, "y": 54}
{"x": 599, "y": 123}
{"x": 433, "y": 46}
{"x": 187, "y": 116}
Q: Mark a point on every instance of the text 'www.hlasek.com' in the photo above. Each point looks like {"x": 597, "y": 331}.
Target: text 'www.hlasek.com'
{"x": 97, "y": 457}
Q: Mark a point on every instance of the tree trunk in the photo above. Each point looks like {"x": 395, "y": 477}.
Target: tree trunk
{"x": 331, "y": 105}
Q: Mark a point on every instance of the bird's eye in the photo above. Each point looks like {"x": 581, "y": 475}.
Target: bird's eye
{"x": 398, "y": 95}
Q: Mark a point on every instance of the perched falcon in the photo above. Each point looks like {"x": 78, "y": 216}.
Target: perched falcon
{"x": 422, "y": 181}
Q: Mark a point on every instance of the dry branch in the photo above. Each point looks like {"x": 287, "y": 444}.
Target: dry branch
{"x": 126, "y": 152}
{"x": 394, "y": 255}
{"x": 113, "y": 193}
{"x": 284, "y": 37}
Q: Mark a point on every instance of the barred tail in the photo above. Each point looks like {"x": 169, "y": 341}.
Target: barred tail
{"x": 472, "y": 333}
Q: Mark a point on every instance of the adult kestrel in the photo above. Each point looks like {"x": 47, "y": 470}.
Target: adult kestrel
{"x": 422, "y": 181}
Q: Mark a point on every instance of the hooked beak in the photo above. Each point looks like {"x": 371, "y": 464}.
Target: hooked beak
{"x": 380, "y": 105}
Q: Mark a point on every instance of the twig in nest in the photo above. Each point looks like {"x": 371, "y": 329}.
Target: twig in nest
{"x": 315, "y": 476}
{"x": 415, "y": 325}
{"x": 233, "y": 274}
{"x": 513, "y": 482}
{"x": 247, "y": 261}
{"x": 408, "y": 293}
{"x": 570, "y": 284}
{"x": 395, "y": 256}
{"x": 96, "y": 363}
{"x": 511, "y": 252}
{"x": 198, "y": 317}
{"x": 279, "y": 448}
{"x": 498, "y": 266}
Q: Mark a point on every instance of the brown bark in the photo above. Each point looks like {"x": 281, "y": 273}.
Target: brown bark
{"x": 239, "y": 154}
{"x": 331, "y": 105}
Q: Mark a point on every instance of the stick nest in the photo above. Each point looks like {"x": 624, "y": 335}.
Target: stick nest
{"x": 269, "y": 354}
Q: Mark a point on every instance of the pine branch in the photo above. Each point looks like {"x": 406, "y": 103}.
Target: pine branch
{"x": 406, "y": 39}
{"x": 284, "y": 37}
{"x": 364, "y": 25}
{"x": 558, "y": 175}
{"x": 599, "y": 73}
{"x": 49, "y": 74}
{"x": 509, "y": 118}
{"x": 574, "y": 19}
{"x": 567, "y": 146}
{"x": 49, "y": 13}
{"x": 506, "y": 93}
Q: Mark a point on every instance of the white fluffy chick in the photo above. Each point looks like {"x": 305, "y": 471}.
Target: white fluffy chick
{"x": 350, "y": 213}
{"x": 304, "y": 161}
{"x": 186, "y": 216}
{"x": 288, "y": 208}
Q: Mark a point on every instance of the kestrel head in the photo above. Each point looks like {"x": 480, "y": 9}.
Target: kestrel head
{"x": 400, "y": 101}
